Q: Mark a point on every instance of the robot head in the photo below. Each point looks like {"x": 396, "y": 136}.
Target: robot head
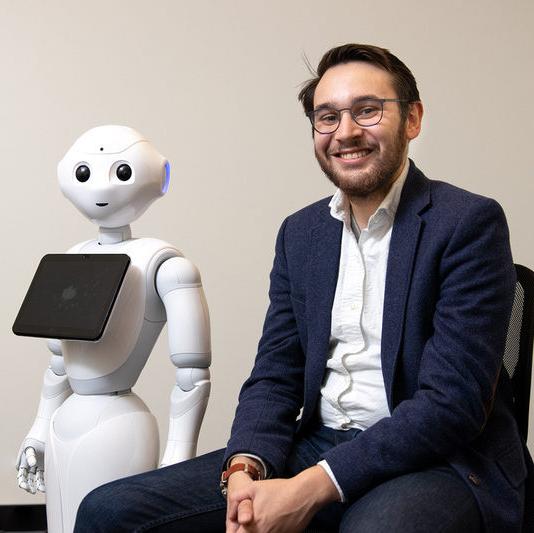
{"x": 112, "y": 174}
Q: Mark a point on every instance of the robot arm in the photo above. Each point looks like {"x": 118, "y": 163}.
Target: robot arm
{"x": 179, "y": 286}
{"x": 56, "y": 389}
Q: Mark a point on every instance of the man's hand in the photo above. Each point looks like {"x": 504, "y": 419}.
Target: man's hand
{"x": 238, "y": 509}
{"x": 237, "y": 482}
{"x": 279, "y": 505}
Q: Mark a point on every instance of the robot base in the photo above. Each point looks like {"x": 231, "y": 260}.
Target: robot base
{"x": 94, "y": 440}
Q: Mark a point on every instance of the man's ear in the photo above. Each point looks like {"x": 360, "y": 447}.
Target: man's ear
{"x": 413, "y": 120}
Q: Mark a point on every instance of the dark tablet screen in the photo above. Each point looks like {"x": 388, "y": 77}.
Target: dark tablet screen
{"x": 71, "y": 296}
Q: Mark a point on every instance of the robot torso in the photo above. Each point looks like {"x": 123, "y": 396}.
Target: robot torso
{"x": 114, "y": 362}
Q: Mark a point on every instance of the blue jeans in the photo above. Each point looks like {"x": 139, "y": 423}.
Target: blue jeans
{"x": 185, "y": 497}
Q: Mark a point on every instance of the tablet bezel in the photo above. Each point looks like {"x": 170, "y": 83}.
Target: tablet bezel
{"x": 25, "y": 328}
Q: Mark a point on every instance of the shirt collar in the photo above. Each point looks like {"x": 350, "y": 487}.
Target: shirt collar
{"x": 340, "y": 204}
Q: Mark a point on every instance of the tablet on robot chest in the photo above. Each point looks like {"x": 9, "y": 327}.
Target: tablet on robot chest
{"x": 71, "y": 296}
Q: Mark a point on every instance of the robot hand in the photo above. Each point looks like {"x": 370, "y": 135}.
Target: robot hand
{"x": 30, "y": 459}
{"x": 30, "y": 466}
{"x": 189, "y": 399}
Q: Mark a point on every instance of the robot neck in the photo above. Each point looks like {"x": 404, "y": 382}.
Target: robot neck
{"x": 114, "y": 235}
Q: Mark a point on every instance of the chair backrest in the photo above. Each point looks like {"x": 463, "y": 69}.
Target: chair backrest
{"x": 518, "y": 351}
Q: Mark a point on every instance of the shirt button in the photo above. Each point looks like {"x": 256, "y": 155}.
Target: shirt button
{"x": 353, "y": 307}
{"x": 474, "y": 479}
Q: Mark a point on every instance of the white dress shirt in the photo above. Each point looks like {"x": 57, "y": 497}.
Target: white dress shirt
{"x": 353, "y": 394}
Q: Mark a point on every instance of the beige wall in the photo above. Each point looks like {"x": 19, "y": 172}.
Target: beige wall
{"x": 214, "y": 85}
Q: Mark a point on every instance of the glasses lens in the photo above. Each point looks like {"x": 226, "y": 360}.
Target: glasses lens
{"x": 367, "y": 112}
{"x": 325, "y": 120}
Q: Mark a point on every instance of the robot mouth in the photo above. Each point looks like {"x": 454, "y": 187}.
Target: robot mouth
{"x": 102, "y": 204}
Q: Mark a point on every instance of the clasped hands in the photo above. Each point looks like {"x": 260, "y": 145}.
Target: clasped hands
{"x": 277, "y": 505}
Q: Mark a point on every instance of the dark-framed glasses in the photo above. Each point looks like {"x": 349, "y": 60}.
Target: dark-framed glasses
{"x": 365, "y": 112}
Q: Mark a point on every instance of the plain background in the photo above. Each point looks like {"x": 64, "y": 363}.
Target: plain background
{"x": 213, "y": 85}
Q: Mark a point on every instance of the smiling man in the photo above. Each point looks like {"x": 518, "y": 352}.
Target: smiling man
{"x": 389, "y": 305}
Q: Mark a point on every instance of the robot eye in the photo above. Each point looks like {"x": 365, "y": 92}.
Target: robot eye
{"x": 82, "y": 173}
{"x": 124, "y": 172}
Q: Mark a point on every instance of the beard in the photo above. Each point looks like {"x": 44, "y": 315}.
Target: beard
{"x": 379, "y": 174}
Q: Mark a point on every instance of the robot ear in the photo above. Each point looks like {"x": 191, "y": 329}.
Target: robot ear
{"x": 166, "y": 178}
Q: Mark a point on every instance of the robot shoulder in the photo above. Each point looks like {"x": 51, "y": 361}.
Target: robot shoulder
{"x": 176, "y": 273}
{"x": 153, "y": 244}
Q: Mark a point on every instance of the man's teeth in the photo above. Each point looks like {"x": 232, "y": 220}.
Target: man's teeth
{"x": 354, "y": 155}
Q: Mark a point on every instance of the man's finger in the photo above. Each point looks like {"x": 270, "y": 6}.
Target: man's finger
{"x": 245, "y": 513}
{"x": 231, "y": 527}
{"x": 231, "y": 510}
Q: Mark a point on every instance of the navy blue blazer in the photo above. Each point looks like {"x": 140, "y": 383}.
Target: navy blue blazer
{"x": 449, "y": 290}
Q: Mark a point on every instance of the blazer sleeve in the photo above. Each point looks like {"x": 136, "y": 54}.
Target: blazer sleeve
{"x": 271, "y": 398}
{"x": 459, "y": 366}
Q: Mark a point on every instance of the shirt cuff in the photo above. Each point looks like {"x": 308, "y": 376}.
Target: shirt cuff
{"x": 252, "y": 456}
{"x": 328, "y": 470}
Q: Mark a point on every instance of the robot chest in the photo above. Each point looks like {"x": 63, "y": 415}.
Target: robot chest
{"x": 138, "y": 290}
{"x": 137, "y": 316}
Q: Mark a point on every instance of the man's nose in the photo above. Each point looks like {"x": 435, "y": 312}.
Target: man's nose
{"x": 348, "y": 128}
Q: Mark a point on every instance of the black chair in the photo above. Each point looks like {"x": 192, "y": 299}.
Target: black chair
{"x": 518, "y": 352}
{"x": 518, "y": 363}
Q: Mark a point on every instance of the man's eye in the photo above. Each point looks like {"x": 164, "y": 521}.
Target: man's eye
{"x": 328, "y": 118}
{"x": 365, "y": 111}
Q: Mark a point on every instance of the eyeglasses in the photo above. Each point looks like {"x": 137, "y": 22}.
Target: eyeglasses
{"x": 365, "y": 112}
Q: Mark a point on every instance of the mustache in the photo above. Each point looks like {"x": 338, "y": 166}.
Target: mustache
{"x": 349, "y": 146}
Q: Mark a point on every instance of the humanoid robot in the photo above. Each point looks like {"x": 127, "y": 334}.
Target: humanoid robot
{"x": 90, "y": 427}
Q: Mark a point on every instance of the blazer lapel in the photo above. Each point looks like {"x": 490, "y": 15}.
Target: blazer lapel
{"x": 402, "y": 252}
{"x": 323, "y": 271}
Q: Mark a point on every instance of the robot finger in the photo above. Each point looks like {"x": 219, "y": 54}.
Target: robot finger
{"x": 22, "y": 478}
{"x": 32, "y": 471}
{"x": 39, "y": 481}
{"x": 31, "y": 482}
{"x": 21, "y": 461}
{"x": 31, "y": 458}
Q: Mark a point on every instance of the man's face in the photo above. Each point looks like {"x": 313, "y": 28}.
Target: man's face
{"x": 362, "y": 161}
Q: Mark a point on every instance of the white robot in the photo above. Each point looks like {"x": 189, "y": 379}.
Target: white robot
{"x": 90, "y": 427}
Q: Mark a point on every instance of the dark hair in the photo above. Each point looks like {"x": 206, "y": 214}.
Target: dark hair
{"x": 403, "y": 80}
